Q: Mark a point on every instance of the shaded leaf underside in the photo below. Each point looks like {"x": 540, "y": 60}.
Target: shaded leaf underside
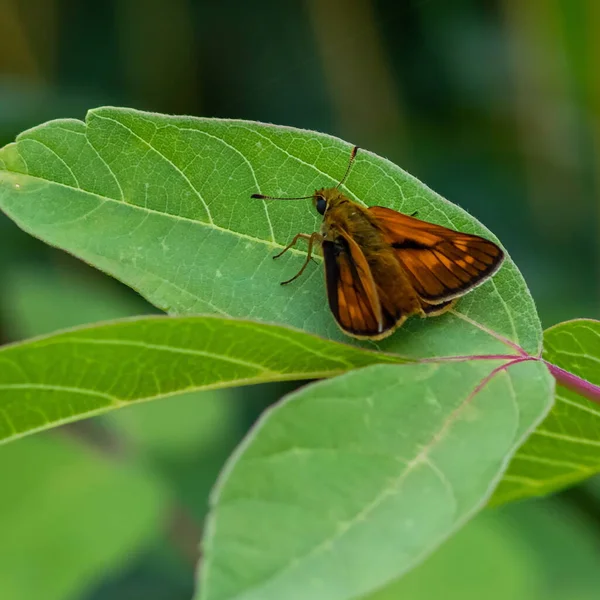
{"x": 346, "y": 485}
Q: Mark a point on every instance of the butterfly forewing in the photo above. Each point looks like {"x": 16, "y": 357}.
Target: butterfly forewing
{"x": 442, "y": 264}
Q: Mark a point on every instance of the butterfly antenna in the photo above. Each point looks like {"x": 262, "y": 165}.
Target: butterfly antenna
{"x": 263, "y": 197}
{"x": 350, "y": 162}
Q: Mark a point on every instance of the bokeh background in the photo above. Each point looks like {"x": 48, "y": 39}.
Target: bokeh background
{"x": 495, "y": 104}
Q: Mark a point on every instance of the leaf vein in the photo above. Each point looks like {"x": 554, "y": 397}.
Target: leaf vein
{"x": 566, "y": 438}
{"x": 59, "y": 388}
{"x": 171, "y": 349}
{"x": 99, "y": 156}
{"x": 168, "y": 160}
{"x": 238, "y": 152}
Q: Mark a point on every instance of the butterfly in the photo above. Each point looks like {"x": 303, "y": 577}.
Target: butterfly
{"x": 382, "y": 266}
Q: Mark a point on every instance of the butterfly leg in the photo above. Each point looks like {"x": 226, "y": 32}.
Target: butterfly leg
{"x": 314, "y": 237}
{"x": 298, "y": 236}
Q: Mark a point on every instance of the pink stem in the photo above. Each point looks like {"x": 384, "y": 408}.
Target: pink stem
{"x": 577, "y": 384}
{"x": 573, "y": 382}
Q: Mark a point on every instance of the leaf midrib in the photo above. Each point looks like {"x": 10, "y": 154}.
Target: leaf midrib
{"x": 119, "y": 402}
{"x": 144, "y": 209}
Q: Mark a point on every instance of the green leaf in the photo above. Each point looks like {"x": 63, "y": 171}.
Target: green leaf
{"x": 565, "y": 448}
{"x": 163, "y": 204}
{"x": 351, "y": 481}
{"x": 69, "y": 517}
{"x": 87, "y": 371}
{"x": 184, "y": 425}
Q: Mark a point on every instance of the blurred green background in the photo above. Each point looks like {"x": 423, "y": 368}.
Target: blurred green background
{"x": 495, "y": 104}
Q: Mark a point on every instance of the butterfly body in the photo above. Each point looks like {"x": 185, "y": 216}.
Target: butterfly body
{"x": 382, "y": 266}
{"x": 359, "y": 265}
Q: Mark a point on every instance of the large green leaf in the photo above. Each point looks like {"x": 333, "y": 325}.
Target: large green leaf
{"x": 68, "y": 517}
{"x": 163, "y": 203}
{"x": 87, "y": 371}
{"x": 565, "y": 448}
{"x": 351, "y": 481}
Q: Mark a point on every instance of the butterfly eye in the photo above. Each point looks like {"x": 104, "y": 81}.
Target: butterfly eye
{"x": 321, "y": 205}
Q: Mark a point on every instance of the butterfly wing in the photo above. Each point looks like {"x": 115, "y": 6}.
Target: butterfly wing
{"x": 433, "y": 310}
{"x": 352, "y": 292}
{"x": 441, "y": 263}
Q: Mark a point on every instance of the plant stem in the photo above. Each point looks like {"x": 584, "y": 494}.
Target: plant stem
{"x": 573, "y": 382}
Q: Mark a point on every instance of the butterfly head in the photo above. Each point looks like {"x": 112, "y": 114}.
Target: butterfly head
{"x": 324, "y": 198}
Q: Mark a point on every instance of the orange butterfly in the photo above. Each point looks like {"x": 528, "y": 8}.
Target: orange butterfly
{"x": 382, "y": 266}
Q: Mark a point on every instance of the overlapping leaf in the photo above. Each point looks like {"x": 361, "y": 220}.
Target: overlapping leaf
{"x": 87, "y": 371}
{"x": 566, "y": 447}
